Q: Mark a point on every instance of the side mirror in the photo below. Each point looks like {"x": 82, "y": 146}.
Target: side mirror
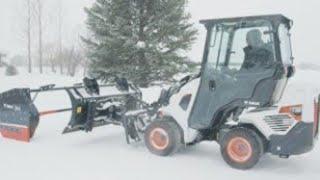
{"x": 291, "y": 71}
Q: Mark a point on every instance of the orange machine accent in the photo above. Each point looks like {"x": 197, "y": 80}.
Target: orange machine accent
{"x": 292, "y": 111}
{"x": 15, "y": 132}
{"x": 239, "y": 149}
{"x": 44, "y": 113}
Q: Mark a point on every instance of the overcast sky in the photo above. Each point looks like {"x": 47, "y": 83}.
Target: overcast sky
{"x": 303, "y": 12}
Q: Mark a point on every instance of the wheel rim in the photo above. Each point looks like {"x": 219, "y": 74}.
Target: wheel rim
{"x": 239, "y": 149}
{"x": 159, "y": 138}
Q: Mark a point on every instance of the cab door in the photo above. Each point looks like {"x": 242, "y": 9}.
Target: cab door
{"x": 224, "y": 79}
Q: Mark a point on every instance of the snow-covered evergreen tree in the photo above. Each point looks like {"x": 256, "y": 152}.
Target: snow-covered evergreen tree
{"x": 142, "y": 40}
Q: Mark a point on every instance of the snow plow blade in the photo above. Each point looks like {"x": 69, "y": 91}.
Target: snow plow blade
{"x": 19, "y": 118}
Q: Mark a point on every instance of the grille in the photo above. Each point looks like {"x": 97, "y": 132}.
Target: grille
{"x": 279, "y": 123}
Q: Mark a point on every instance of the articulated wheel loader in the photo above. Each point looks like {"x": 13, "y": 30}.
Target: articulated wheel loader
{"x": 246, "y": 65}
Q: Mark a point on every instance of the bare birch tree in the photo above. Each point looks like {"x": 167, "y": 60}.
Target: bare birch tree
{"x": 39, "y": 15}
{"x": 51, "y": 55}
{"x": 29, "y": 36}
{"x": 26, "y": 29}
{"x": 60, "y": 23}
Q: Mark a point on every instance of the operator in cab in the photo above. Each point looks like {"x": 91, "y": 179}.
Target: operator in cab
{"x": 257, "y": 53}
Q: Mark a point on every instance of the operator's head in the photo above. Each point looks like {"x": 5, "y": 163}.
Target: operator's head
{"x": 254, "y": 38}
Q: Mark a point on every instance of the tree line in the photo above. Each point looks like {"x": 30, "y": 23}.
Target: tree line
{"x": 41, "y": 52}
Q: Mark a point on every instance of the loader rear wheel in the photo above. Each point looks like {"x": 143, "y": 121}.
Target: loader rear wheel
{"x": 241, "y": 148}
{"x": 163, "y": 138}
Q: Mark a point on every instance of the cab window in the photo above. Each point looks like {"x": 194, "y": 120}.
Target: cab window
{"x": 285, "y": 45}
{"x": 251, "y": 47}
{"x": 241, "y": 47}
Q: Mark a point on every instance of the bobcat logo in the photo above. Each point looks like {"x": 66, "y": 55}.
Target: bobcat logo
{"x": 12, "y": 107}
{"x": 251, "y": 103}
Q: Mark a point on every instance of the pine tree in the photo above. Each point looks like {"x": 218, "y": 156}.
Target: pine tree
{"x": 142, "y": 40}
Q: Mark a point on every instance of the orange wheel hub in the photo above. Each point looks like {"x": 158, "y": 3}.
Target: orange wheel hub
{"x": 239, "y": 149}
{"x": 159, "y": 138}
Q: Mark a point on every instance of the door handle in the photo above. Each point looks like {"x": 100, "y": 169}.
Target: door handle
{"x": 212, "y": 85}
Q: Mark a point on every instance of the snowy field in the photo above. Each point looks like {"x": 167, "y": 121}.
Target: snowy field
{"x": 104, "y": 154}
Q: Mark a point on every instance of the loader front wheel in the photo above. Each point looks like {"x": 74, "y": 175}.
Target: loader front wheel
{"x": 163, "y": 138}
{"x": 241, "y": 148}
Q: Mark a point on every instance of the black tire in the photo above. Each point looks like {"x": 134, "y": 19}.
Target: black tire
{"x": 241, "y": 148}
{"x": 170, "y": 141}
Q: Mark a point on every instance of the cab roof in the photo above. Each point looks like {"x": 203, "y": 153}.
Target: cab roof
{"x": 273, "y": 17}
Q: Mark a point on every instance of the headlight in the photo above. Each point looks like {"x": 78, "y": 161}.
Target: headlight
{"x": 294, "y": 110}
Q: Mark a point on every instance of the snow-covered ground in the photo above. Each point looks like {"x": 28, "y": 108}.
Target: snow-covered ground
{"x": 104, "y": 154}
